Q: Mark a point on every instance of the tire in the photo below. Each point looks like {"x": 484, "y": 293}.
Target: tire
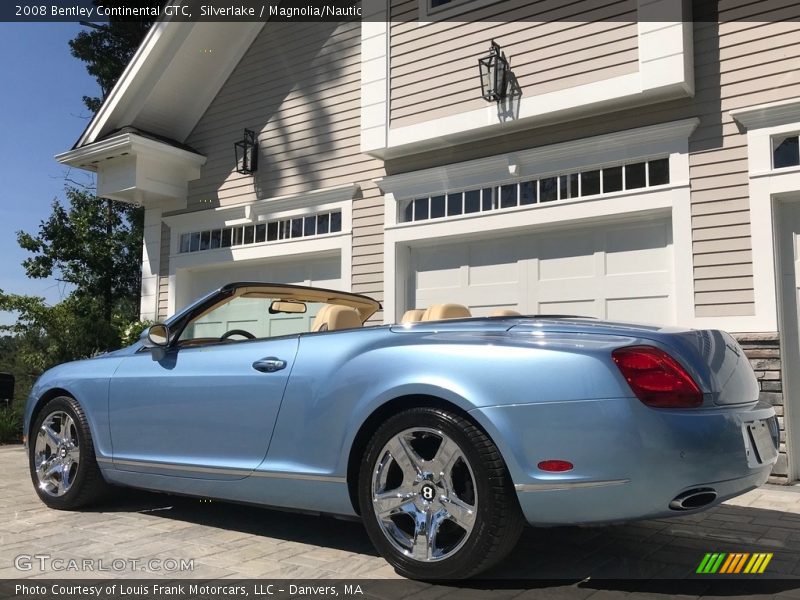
{"x": 62, "y": 463}
{"x": 448, "y": 507}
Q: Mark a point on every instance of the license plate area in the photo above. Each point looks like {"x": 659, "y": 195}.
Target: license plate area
{"x": 761, "y": 441}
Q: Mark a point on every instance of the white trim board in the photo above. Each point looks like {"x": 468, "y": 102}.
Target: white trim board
{"x": 246, "y": 213}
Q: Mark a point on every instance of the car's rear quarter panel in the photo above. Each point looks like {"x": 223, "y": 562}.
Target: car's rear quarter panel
{"x": 340, "y": 378}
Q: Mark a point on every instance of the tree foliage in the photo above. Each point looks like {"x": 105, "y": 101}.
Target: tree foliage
{"x": 95, "y": 246}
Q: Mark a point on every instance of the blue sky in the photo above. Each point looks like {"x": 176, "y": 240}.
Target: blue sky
{"x": 41, "y": 114}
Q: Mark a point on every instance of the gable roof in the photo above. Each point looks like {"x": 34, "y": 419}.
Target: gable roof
{"x": 171, "y": 80}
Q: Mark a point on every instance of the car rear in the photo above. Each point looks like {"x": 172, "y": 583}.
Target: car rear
{"x": 686, "y": 430}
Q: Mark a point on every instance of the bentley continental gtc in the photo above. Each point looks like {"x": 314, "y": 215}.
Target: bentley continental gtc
{"x": 444, "y": 433}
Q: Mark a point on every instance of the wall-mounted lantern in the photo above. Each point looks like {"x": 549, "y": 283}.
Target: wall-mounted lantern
{"x": 494, "y": 74}
{"x": 247, "y": 153}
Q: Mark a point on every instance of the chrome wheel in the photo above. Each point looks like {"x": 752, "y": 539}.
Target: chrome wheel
{"x": 424, "y": 494}
{"x": 57, "y": 454}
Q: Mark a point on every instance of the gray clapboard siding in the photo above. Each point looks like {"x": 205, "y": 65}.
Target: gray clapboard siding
{"x": 434, "y": 65}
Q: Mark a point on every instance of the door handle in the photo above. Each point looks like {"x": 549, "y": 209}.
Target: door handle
{"x": 269, "y": 364}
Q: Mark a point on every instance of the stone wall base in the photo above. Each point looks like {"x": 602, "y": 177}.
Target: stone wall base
{"x": 764, "y": 352}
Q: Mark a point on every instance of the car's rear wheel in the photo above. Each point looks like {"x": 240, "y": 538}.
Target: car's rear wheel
{"x": 61, "y": 458}
{"x": 436, "y": 496}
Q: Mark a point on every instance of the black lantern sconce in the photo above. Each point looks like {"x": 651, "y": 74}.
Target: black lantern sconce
{"x": 247, "y": 153}
{"x": 494, "y": 74}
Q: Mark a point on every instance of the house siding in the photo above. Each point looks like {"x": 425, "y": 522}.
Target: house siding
{"x": 434, "y": 66}
{"x": 298, "y": 87}
{"x": 737, "y": 64}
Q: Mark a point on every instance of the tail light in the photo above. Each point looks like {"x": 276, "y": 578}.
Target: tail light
{"x": 656, "y": 378}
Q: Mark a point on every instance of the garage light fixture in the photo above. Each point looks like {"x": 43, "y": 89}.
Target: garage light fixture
{"x": 247, "y": 153}
{"x": 494, "y": 74}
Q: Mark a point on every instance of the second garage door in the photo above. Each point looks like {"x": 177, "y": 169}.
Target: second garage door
{"x": 619, "y": 272}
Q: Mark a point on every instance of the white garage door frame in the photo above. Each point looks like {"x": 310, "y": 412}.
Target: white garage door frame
{"x": 671, "y": 200}
{"x": 774, "y": 196}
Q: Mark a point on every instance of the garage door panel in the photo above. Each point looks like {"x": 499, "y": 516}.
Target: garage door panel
{"x": 638, "y": 250}
{"x": 321, "y": 272}
{"x": 440, "y": 270}
{"x": 653, "y": 310}
{"x": 566, "y": 289}
{"x": 567, "y": 258}
{"x": 586, "y": 308}
{"x": 634, "y": 285}
{"x": 485, "y": 310}
{"x": 493, "y": 262}
{"x": 471, "y": 297}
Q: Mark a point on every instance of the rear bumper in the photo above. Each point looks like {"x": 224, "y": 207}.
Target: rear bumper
{"x": 630, "y": 461}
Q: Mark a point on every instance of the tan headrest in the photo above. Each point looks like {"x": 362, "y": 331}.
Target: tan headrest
{"x": 504, "y": 312}
{"x": 341, "y": 317}
{"x": 440, "y": 312}
{"x": 321, "y": 317}
{"x": 413, "y": 316}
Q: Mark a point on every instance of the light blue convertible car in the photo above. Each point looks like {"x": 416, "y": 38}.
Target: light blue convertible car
{"x": 445, "y": 433}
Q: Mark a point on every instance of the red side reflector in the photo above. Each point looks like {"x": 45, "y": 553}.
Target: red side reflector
{"x": 656, "y": 378}
{"x": 555, "y": 466}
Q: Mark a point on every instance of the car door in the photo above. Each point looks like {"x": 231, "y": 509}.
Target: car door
{"x": 206, "y": 409}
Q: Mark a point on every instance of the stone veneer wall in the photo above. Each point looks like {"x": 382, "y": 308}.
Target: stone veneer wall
{"x": 764, "y": 352}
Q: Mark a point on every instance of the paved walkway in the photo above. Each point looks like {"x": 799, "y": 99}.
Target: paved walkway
{"x": 231, "y": 541}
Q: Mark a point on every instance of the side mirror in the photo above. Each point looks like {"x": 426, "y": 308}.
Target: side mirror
{"x": 6, "y": 388}
{"x": 156, "y": 336}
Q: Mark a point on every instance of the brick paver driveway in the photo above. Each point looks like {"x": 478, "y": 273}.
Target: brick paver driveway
{"x": 226, "y": 540}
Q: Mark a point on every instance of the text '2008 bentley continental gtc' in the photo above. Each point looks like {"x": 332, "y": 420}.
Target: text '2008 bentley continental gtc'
{"x": 444, "y": 433}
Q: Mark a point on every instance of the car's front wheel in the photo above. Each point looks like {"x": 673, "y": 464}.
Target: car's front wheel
{"x": 436, "y": 497}
{"x": 61, "y": 458}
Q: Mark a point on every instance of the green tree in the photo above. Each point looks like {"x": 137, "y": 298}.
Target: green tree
{"x": 95, "y": 246}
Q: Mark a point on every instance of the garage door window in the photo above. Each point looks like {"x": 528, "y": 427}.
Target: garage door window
{"x": 582, "y": 184}
{"x": 282, "y": 229}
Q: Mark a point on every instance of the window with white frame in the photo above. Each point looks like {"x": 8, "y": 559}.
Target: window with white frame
{"x": 785, "y": 151}
{"x": 541, "y": 190}
{"x": 300, "y": 226}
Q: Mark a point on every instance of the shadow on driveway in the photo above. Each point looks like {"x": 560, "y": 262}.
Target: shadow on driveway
{"x": 658, "y": 556}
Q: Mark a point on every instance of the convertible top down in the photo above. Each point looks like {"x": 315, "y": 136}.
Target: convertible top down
{"x": 444, "y": 433}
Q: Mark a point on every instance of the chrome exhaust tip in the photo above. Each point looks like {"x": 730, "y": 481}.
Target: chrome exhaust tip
{"x": 693, "y": 499}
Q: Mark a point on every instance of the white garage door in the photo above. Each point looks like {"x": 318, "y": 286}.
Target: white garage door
{"x": 620, "y": 272}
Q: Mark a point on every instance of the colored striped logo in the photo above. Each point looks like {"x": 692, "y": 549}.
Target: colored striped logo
{"x": 734, "y": 563}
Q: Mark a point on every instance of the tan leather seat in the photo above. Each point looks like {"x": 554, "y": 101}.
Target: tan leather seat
{"x": 504, "y": 312}
{"x": 440, "y": 312}
{"x": 413, "y": 316}
{"x": 320, "y": 319}
{"x": 332, "y": 317}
